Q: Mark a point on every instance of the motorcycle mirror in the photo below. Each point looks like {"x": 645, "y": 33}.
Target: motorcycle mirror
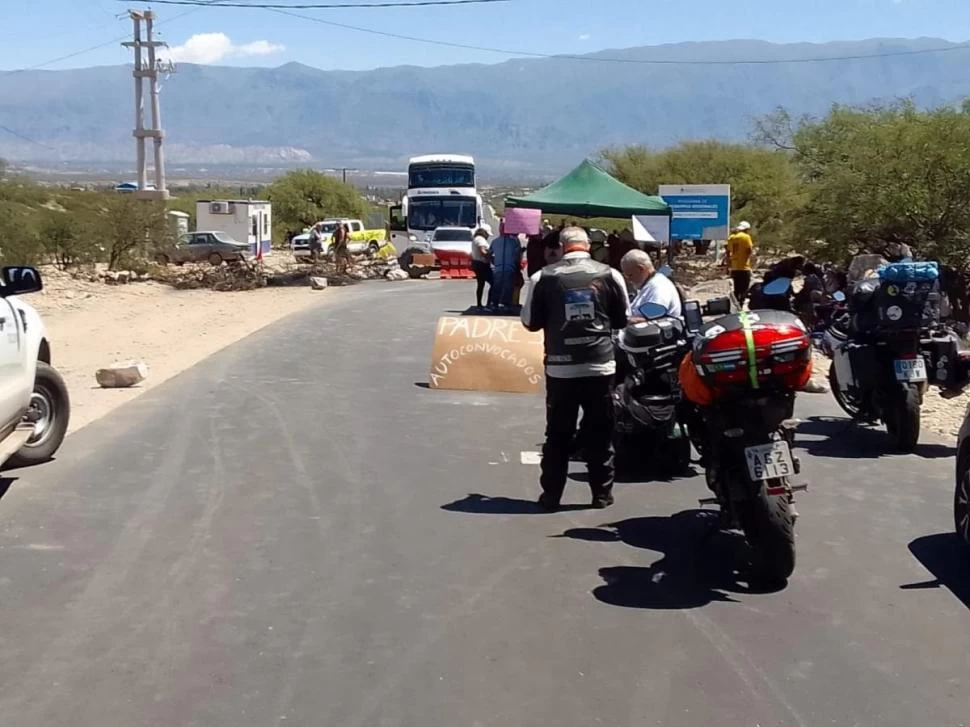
{"x": 838, "y": 296}
{"x": 778, "y": 286}
{"x": 652, "y": 310}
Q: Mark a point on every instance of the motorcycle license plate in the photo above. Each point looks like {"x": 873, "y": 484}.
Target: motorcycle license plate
{"x": 768, "y": 461}
{"x": 911, "y": 369}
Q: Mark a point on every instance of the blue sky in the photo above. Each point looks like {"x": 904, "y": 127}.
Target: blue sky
{"x": 36, "y": 31}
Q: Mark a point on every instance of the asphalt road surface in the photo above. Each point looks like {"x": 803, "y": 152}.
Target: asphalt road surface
{"x": 294, "y": 532}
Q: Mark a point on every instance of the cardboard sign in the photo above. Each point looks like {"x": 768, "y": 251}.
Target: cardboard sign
{"x": 522, "y": 221}
{"x": 480, "y": 353}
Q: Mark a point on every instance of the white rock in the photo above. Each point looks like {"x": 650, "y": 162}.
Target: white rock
{"x": 815, "y": 387}
{"x": 397, "y": 274}
{"x": 120, "y": 375}
{"x": 318, "y": 283}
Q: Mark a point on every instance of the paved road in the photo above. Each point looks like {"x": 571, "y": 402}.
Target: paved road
{"x": 295, "y": 533}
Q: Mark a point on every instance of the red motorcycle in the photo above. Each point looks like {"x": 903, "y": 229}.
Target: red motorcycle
{"x": 741, "y": 376}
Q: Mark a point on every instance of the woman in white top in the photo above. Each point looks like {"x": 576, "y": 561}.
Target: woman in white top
{"x": 480, "y": 264}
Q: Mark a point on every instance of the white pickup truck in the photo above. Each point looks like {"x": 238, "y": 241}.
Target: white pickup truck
{"x": 34, "y": 404}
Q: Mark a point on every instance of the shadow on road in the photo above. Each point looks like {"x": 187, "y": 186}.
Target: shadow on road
{"x": 947, "y": 557}
{"x": 5, "y": 483}
{"x": 700, "y": 563}
{"x": 844, "y": 438}
{"x": 640, "y": 476}
{"x": 485, "y": 505}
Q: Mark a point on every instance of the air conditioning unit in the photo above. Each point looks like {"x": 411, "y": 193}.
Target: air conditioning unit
{"x": 219, "y": 208}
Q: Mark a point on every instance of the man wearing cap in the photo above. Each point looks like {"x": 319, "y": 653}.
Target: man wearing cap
{"x": 577, "y": 302}
{"x": 737, "y": 257}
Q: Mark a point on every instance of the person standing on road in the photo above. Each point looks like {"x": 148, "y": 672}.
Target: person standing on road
{"x": 506, "y": 251}
{"x": 480, "y": 264}
{"x": 338, "y": 244}
{"x": 577, "y": 302}
{"x": 737, "y": 258}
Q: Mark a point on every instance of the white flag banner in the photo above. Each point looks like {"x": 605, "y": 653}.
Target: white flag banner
{"x": 651, "y": 228}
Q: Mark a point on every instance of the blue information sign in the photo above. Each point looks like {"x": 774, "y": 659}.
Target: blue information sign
{"x": 700, "y": 211}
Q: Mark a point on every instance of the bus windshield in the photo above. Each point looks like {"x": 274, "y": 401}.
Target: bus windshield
{"x": 441, "y": 175}
{"x": 428, "y": 214}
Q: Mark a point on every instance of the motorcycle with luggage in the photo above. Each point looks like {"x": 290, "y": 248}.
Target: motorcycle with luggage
{"x": 890, "y": 346}
{"x": 741, "y": 377}
{"x": 647, "y": 398}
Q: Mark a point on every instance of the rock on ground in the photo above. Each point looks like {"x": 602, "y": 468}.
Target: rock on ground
{"x": 318, "y": 283}
{"x": 121, "y": 375}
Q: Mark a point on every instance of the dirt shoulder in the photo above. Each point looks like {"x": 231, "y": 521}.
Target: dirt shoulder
{"x": 92, "y": 325}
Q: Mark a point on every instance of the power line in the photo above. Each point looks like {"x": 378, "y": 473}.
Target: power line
{"x": 606, "y": 59}
{"x": 198, "y": 3}
{"x": 331, "y": 6}
{"x": 24, "y": 138}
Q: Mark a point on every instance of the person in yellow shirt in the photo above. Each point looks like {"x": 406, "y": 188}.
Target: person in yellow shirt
{"x": 737, "y": 258}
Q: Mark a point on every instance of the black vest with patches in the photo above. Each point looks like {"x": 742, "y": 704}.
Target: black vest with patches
{"x": 575, "y": 297}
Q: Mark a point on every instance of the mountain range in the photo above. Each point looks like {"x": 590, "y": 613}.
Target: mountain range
{"x": 536, "y": 114}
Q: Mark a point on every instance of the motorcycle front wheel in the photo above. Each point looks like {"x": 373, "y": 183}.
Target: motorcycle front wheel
{"x": 903, "y": 420}
{"x": 768, "y": 523}
{"x": 849, "y": 405}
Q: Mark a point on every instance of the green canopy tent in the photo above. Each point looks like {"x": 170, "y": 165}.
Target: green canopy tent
{"x": 588, "y": 191}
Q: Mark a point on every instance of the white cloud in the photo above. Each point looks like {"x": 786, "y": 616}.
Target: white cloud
{"x": 584, "y": 36}
{"x": 207, "y": 48}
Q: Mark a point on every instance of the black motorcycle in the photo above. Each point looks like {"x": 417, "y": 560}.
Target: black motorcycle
{"x": 889, "y": 346}
{"x": 647, "y": 398}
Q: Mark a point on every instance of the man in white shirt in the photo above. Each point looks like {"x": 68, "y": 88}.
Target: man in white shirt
{"x": 650, "y": 286}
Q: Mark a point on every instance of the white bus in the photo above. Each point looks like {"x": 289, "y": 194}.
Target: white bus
{"x": 441, "y": 193}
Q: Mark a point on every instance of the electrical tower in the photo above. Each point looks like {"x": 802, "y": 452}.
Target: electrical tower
{"x": 147, "y": 68}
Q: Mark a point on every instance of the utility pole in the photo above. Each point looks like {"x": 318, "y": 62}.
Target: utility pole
{"x": 147, "y": 69}
{"x": 343, "y": 172}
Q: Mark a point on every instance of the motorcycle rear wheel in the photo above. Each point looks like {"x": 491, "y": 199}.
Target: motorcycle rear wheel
{"x": 903, "y": 421}
{"x": 768, "y": 523}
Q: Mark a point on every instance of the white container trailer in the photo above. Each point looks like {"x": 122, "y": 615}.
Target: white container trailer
{"x": 246, "y": 220}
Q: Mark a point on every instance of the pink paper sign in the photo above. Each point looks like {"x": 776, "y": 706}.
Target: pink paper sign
{"x": 522, "y": 221}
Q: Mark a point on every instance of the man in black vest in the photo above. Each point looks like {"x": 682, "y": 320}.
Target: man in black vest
{"x": 577, "y": 302}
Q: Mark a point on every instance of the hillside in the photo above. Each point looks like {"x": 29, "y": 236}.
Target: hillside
{"x": 532, "y": 114}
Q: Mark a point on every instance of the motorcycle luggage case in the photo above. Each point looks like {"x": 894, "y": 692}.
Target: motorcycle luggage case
{"x": 901, "y": 306}
{"x": 642, "y": 337}
{"x": 942, "y": 354}
{"x": 864, "y": 361}
{"x": 779, "y": 355}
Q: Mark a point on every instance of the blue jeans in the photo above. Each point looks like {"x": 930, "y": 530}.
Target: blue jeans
{"x": 500, "y": 293}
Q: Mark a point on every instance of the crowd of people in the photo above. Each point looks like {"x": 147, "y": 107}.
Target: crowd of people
{"x": 339, "y": 244}
{"x": 498, "y": 263}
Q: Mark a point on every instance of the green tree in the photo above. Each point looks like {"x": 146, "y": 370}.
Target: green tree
{"x": 304, "y": 196}
{"x": 881, "y": 174}
{"x": 69, "y": 239}
{"x": 19, "y": 244}
{"x": 133, "y": 227}
{"x": 763, "y": 183}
